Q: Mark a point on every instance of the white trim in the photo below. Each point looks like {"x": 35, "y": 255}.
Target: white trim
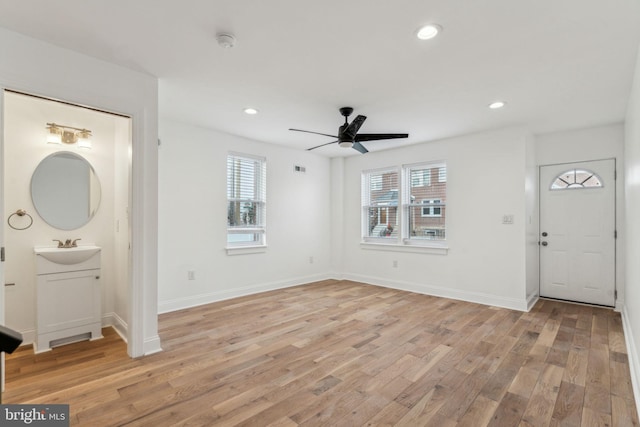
{"x": 211, "y": 297}
{"x": 152, "y": 345}
{"x": 412, "y": 248}
{"x": 28, "y": 337}
{"x": 421, "y": 288}
{"x": 532, "y": 300}
{"x": 634, "y": 363}
{"x": 245, "y": 250}
{"x": 117, "y": 323}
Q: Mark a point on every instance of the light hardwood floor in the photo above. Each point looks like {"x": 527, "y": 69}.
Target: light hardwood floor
{"x": 340, "y": 353}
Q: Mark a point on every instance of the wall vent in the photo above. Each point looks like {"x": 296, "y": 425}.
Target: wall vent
{"x": 300, "y": 169}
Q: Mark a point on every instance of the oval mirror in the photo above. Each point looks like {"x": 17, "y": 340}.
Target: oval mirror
{"x": 65, "y": 190}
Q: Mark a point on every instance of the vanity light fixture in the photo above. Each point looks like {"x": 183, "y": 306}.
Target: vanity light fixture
{"x": 250, "y": 111}
{"x": 59, "y": 134}
{"x": 497, "y": 105}
{"x": 55, "y": 134}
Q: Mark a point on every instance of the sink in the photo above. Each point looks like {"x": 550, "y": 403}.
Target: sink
{"x": 67, "y": 256}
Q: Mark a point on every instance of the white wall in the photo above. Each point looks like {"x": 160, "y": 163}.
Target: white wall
{"x": 602, "y": 142}
{"x": 83, "y": 80}
{"x": 486, "y": 260}
{"x": 531, "y": 223}
{"x": 24, "y": 148}
{"x": 631, "y": 310}
{"x": 193, "y": 217}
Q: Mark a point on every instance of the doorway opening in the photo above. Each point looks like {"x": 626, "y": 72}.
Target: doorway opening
{"x": 29, "y": 123}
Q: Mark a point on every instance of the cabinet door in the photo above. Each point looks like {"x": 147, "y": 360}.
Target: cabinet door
{"x": 68, "y": 300}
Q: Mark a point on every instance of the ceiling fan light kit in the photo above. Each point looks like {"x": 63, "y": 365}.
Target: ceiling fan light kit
{"x": 348, "y": 136}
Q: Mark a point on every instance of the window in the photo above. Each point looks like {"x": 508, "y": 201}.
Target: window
{"x": 246, "y": 191}
{"x": 405, "y": 205}
{"x": 576, "y": 178}
{"x": 432, "y": 208}
{"x": 380, "y": 204}
{"x": 425, "y": 207}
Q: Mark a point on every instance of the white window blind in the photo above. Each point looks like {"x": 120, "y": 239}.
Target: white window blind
{"x": 246, "y": 200}
{"x": 380, "y": 204}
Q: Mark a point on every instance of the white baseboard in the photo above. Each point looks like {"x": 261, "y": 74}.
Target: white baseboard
{"x": 151, "y": 345}
{"x": 632, "y": 354}
{"x": 211, "y": 297}
{"x": 117, "y": 323}
{"x": 421, "y": 288}
{"x": 532, "y": 300}
{"x": 28, "y": 337}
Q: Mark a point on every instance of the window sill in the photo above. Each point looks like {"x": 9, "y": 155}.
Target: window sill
{"x": 245, "y": 250}
{"x": 414, "y": 248}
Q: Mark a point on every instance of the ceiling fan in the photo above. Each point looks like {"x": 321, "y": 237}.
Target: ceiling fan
{"x": 348, "y": 135}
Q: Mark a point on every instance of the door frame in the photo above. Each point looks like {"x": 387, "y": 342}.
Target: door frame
{"x": 615, "y": 224}
{"x": 138, "y": 310}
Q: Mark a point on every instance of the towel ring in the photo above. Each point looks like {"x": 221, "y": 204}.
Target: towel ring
{"x": 20, "y": 212}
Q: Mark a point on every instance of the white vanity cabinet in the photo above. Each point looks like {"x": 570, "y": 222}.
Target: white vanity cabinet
{"x": 68, "y": 296}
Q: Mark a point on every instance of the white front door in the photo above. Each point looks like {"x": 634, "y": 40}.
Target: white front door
{"x": 577, "y": 232}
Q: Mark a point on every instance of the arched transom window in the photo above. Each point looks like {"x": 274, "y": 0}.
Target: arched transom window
{"x": 576, "y": 179}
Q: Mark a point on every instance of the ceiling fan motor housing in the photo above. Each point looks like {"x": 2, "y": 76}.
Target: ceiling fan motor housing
{"x": 343, "y": 140}
{"x": 346, "y": 111}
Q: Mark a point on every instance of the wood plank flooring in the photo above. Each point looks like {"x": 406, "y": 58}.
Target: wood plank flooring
{"x": 339, "y": 353}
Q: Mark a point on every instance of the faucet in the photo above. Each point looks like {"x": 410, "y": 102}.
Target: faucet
{"x": 67, "y": 243}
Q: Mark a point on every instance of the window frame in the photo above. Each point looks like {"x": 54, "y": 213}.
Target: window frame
{"x": 367, "y": 184}
{"x": 259, "y": 202}
{"x": 403, "y": 241}
{"x": 599, "y": 183}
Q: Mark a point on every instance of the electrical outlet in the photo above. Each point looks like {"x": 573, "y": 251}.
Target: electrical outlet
{"x": 191, "y": 275}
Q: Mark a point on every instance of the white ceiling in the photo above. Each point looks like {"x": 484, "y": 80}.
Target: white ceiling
{"x": 559, "y": 64}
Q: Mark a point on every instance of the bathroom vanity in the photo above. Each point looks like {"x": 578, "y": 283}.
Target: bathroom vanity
{"x": 68, "y": 296}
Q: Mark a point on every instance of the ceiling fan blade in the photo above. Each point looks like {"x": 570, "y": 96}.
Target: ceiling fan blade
{"x": 316, "y": 133}
{"x": 377, "y": 136}
{"x": 318, "y": 146}
{"x": 359, "y": 147}
{"x": 351, "y": 130}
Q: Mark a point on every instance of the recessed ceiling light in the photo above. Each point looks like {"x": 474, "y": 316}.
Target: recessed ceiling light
{"x": 428, "y": 31}
{"x": 250, "y": 111}
{"x": 497, "y": 104}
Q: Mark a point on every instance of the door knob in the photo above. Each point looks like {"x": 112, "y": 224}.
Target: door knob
{"x": 544, "y": 234}
{"x": 544, "y": 243}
